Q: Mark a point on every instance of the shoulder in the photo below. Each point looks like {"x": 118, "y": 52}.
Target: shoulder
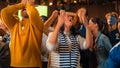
{"x": 115, "y": 51}
{"x": 116, "y": 48}
{"x": 104, "y": 40}
{"x": 104, "y": 37}
{"x": 114, "y": 32}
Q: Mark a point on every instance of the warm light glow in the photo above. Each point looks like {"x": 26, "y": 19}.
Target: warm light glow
{"x": 75, "y": 1}
{"x": 50, "y": 3}
{"x": 65, "y": 0}
{"x": 42, "y": 10}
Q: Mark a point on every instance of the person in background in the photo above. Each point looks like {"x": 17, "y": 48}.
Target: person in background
{"x": 26, "y": 35}
{"x": 6, "y": 37}
{"x": 47, "y": 24}
{"x": 101, "y": 44}
{"x": 51, "y": 20}
{"x": 112, "y": 20}
{"x": 119, "y": 24}
{"x": 4, "y": 47}
{"x": 64, "y": 45}
{"x": 44, "y": 51}
{"x": 81, "y": 30}
{"x": 113, "y": 59}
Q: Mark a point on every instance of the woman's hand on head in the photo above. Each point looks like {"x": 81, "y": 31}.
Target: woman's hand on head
{"x": 31, "y": 2}
{"x": 55, "y": 13}
{"x": 81, "y": 13}
{"x": 82, "y": 16}
{"x": 24, "y": 2}
{"x": 61, "y": 18}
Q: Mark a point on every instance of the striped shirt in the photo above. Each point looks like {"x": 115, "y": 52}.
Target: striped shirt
{"x": 65, "y": 54}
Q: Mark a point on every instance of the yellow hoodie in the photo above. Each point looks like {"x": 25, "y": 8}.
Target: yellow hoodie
{"x": 26, "y": 36}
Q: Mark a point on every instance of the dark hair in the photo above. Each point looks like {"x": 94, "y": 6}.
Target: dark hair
{"x": 97, "y": 21}
{"x": 102, "y": 26}
{"x": 44, "y": 18}
{"x": 72, "y": 30}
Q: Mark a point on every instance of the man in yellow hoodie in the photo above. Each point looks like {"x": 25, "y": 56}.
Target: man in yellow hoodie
{"x": 26, "y": 35}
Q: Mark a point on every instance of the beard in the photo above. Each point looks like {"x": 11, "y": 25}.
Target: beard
{"x": 24, "y": 14}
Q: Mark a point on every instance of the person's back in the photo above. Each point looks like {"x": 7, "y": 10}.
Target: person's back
{"x": 25, "y": 45}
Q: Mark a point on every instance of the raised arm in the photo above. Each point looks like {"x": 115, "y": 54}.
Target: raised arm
{"x": 34, "y": 17}
{"x": 50, "y": 21}
{"x": 51, "y": 42}
{"x": 8, "y": 14}
{"x": 89, "y": 36}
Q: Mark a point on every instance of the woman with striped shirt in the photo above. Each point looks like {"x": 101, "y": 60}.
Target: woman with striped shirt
{"x": 64, "y": 45}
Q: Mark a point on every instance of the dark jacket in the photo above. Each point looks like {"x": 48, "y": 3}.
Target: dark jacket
{"x": 4, "y": 55}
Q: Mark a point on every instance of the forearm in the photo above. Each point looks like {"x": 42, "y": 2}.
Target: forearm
{"x": 71, "y": 13}
{"x": 7, "y": 14}
{"x": 13, "y": 8}
{"x": 34, "y": 17}
{"x": 89, "y": 38}
{"x": 54, "y": 36}
{"x": 48, "y": 23}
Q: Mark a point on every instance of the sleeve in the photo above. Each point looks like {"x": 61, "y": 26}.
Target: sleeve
{"x": 50, "y": 46}
{"x": 81, "y": 42}
{"x": 111, "y": 60}
{"x": 107, "y": 43}
{"x": 8, "y": 14}
{"x": 34, "y": 17}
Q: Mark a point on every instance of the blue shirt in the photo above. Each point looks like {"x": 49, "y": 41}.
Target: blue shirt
{"x": 114, "y": 57}
{"x": 82, "y": 30}
{"x": 103, "y": 47}
{"x": 114, "y": 37}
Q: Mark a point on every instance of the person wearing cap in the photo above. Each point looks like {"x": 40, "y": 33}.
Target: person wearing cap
{"x": 112, "y": 19}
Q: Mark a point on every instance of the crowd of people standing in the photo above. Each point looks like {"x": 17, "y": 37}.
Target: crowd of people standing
{"x": 64, "y": 40}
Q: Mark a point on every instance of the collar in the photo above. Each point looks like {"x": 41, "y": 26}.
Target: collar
{"x": 67, "y": 33}
{"x": 98, "y": 36}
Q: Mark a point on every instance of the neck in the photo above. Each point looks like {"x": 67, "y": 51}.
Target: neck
{"x": 113, "y": 27}
{"x": 95, "y": 33}
{"x": 67, "y": 30}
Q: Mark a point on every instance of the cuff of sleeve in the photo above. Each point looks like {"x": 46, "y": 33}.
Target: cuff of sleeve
{"x": 50, "y": 46}
{"x": 84, "y": 45}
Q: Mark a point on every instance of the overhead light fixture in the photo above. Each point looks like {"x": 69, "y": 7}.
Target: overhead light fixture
{"x": 65, "y": 0}
{"x": 51, "y": 3}
{"x": 75, "y": 1}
